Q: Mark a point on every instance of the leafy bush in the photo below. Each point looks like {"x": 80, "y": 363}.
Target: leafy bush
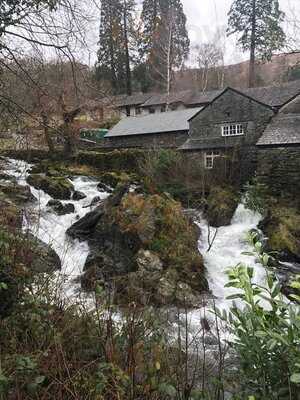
{"x": 255, "y": 195}
{"x": 266, "y": 332}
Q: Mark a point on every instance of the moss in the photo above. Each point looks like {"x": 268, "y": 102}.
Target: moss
{"x": 221, "y": 205}
{"x": 163, "y": 228}
{"x": 282, "y": 227}
{"x": 57, "y": 187}
{"x": 113, "y": 178}
{"x": 117, "y": 160}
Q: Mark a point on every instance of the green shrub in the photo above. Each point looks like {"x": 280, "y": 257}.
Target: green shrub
{"x": 266, "y": 333}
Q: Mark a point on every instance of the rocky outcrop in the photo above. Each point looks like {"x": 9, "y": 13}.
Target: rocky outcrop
{"x": 221, "y": 205}
{"x": 17, "y": 193}
{"x": 59, "y": 208}
{"x": 57, "y": 187}
{"x": 282, "y": 228}
{"x": 143, "y": 247}
{"x": 43, "y": 258}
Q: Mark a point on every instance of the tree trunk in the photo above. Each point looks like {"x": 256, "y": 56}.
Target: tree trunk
{"x": 252, "y": 46}
{"x": 128, "y": 71}
{"x": 47, "y": 134}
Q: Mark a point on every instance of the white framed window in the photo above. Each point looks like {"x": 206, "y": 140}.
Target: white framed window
{"x": 232, "y": 130}
{"x": 209, "y": 157}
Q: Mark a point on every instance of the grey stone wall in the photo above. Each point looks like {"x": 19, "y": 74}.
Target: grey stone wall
{"x": 279, "y": 168}
{"x": 233, "y": 107}
{"x": 164, "y": 140}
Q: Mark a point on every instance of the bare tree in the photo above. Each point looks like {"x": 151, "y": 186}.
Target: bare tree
{"x": 210, "y": 59}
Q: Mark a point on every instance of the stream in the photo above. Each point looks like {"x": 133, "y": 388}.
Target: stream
{"x": 228, "y": 246}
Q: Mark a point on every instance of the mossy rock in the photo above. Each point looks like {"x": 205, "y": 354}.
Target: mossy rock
{"x": 282, "y": 228}
{"x": 117, "y": 160}
{"x": 162, "y": 227}
{"x": 57, "y": 187}
{"x": 141, "y": 241}
{"x": 17, "y": 193}
{"x": 221, "y": 205}
{"x": 112, "y": 179}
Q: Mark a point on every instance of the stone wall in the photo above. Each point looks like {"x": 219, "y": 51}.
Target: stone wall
{"x": 279, "y": 168}
{"x": 232, "y": 107}
{"x": 163, "y": 140}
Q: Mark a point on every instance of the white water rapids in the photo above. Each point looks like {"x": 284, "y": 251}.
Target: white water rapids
{"x": 51, "y": 228}
{"x": 226, "y": 250}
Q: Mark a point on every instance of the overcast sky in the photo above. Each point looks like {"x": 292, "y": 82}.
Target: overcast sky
{"x": 204, "y": 19}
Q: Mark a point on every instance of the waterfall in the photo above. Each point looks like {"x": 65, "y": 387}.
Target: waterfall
{"x": 226, "y": 251}
{"x": 51, "y": 228}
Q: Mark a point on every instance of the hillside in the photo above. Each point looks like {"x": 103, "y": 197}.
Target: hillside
{"x": 281, "y": 68}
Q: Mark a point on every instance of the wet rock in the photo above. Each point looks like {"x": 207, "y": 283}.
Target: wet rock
{"x": 112, "y": 179}
{"x": 59, "y": 208}
{"x": 77, "y": 195}
{"x": 144, "y": 247}
{"x": 44, "y": 258}
{"x": 102, "y": 187}
{"x": 7, "y": 177}
{"x": 56, "y": 187}
{"x": 95, "y": 201}
{"x": 282, "y": 228}
{"x": 221, "y": 205}
{"x": 17, "y": 193}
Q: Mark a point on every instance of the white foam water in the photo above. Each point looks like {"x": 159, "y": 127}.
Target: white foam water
{"x": 226, "y": 250}
{"x": 51, "y": 228}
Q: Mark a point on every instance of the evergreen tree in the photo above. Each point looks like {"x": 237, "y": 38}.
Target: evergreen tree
{"x": 114, "y": 58}
{"x": 163, "y": 20}
{"x": 258, "y": 24}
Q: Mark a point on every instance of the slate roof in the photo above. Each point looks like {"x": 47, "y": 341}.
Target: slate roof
{"x": 275, "y": 96}
{"x": 292, "y": 107}
{"x": 284, "y": 129}
{"x": 175, "y": 97}
{"x": 204, "y": 98}
{"x": 172, "y": 121}
{"x": 134, "y": 100}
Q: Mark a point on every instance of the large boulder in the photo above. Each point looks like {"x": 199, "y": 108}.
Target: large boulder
{"x": 57, "y": 187}
{"x": 221, "y": 205}
{"x": 59, "y": 208}
{"x": 43, "y": 258}
{"x": 17, "y": 193}
{"x": 144, "y": 247}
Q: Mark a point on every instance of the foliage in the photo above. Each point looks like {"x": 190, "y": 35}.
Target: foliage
{"x": 115, "y": 24}
{"x": 257, "y": 24}
{"x": 266, "y": 332}
{"x": 221, "y": 205}
{"x": 255, "y": 195}
{"x": 156, "y": 16}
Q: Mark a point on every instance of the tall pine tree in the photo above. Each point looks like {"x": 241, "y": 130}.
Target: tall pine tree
{"x": 257, "y": 22}
{"x": 114, "y": 58}
{"x": 163, "y": 20}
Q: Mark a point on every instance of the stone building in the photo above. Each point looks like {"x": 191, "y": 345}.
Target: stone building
{"x": 140, "y": 104}
{"x": 228, "y": 127}
{"x": 166, "y": 130}
{"x": 279, "y": 150}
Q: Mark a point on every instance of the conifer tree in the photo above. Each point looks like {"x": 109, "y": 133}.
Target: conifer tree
{"x": 257, "y": 22}
{"x": 164, "y": 20}
{"x": 114, "y": 58}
